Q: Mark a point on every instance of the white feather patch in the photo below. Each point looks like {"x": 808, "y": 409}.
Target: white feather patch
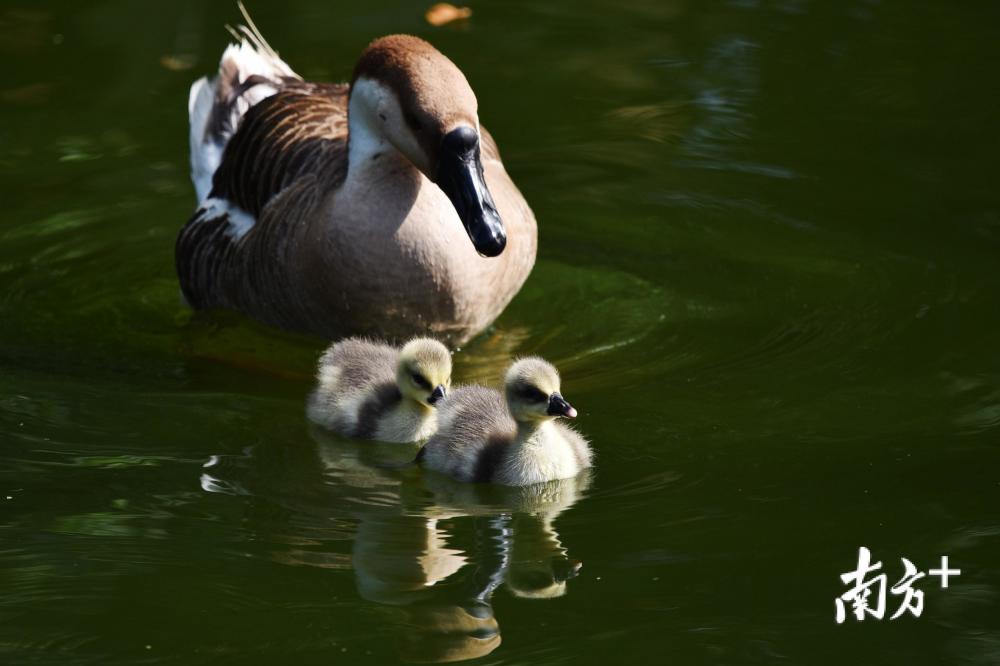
{"x": 251, "y": 62}
{"x": 205, "y": 155}
{"x": 206, "y": 152}
{"x": 239, "y": 221}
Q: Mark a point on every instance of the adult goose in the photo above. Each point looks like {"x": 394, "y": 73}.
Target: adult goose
{"x": 380, "y": 207}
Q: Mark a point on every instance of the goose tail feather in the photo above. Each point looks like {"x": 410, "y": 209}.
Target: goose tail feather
{"x": 249, "y": 71}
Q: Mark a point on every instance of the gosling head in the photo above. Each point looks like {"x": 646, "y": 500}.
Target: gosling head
{"x": 406, "y": 93}
{"x": 532, "y": 387}
{"x": 423, "y": 372}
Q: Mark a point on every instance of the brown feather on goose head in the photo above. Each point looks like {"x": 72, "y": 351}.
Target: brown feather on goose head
{"x": 407, "y": 93}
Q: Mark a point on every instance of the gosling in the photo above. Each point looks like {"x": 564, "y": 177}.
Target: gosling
{"x": 370, "y": 390}
{"x": 483, "y": 438}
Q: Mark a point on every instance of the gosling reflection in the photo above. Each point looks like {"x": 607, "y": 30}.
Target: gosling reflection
{"x": 396, "y": 558}
{"x": 539, "y": 567}
{"x": 449, "y": 614}
{"x": 534, "y": 563}
{"x": 430, "y": 551}
{"x": 441, "y": 594}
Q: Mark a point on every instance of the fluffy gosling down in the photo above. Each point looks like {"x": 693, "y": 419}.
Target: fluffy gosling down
{"x": 370, "y": 390}
{"x": 515, "y": 440}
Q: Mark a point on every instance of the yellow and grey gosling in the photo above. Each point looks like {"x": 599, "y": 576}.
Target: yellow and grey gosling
{"x": 484, "y": 438}
{"x": 371, "y": 390}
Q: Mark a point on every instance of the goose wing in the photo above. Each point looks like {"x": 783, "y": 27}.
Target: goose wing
{"x": 299, "y": 131}
{"x": 288, "y": 152}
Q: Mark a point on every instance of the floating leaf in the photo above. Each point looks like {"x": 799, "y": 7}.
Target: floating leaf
{"x": 178, "y": 62}
{"x": 443, "y": 13}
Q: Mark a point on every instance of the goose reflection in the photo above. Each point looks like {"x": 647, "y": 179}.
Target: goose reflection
{"x": 429, "y": 551}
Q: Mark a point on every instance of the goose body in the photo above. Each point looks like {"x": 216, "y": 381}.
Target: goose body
{"x": 370, "y": 390}
{"x": 483, "y": 437}
{"x": 379, "y": 207}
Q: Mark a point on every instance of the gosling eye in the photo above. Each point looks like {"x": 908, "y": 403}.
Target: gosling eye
{"x": 532, "y": 394}
{"x": 420, "y": 381}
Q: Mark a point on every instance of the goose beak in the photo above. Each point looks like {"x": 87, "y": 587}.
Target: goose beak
{"x": 460, "y": 176}
{"x": 438, "y": 393}
{"x": 559, "y": 407}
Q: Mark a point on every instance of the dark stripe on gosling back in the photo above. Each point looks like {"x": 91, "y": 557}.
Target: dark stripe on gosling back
{"x": 374, "y": 408}
{"x": 489, "y": 460}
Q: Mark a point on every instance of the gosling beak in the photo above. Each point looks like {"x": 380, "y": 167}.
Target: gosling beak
{"x": 559, "y": 407}
{"x": 438, "y": 393}
{"x": 460, "y": 176}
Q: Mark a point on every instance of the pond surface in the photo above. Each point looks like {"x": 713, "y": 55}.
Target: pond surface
{"x": 769, "y": 271}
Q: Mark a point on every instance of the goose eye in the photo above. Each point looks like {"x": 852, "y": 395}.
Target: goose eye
{"x": 419, "y": 380}
{"x": 533, "y": 394}
{"x": 412, "y": 120}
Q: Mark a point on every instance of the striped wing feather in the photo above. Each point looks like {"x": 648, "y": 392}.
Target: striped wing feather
{"x": 301, "y": 130}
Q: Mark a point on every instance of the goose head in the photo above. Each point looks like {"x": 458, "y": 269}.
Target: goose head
{"x": 423, "y": 372}
{"x": 532, "y": 388}
{"x": 408, "y": 95}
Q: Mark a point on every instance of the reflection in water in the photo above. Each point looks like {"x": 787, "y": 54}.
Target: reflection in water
{"x": 428, "y": 550}
{"x": 539, "y": 567}
{"x": 401, "y": 560}
{"x": 488, "y": 359}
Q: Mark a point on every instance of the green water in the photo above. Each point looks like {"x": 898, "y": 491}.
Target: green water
{"x": 768, "y": 270}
